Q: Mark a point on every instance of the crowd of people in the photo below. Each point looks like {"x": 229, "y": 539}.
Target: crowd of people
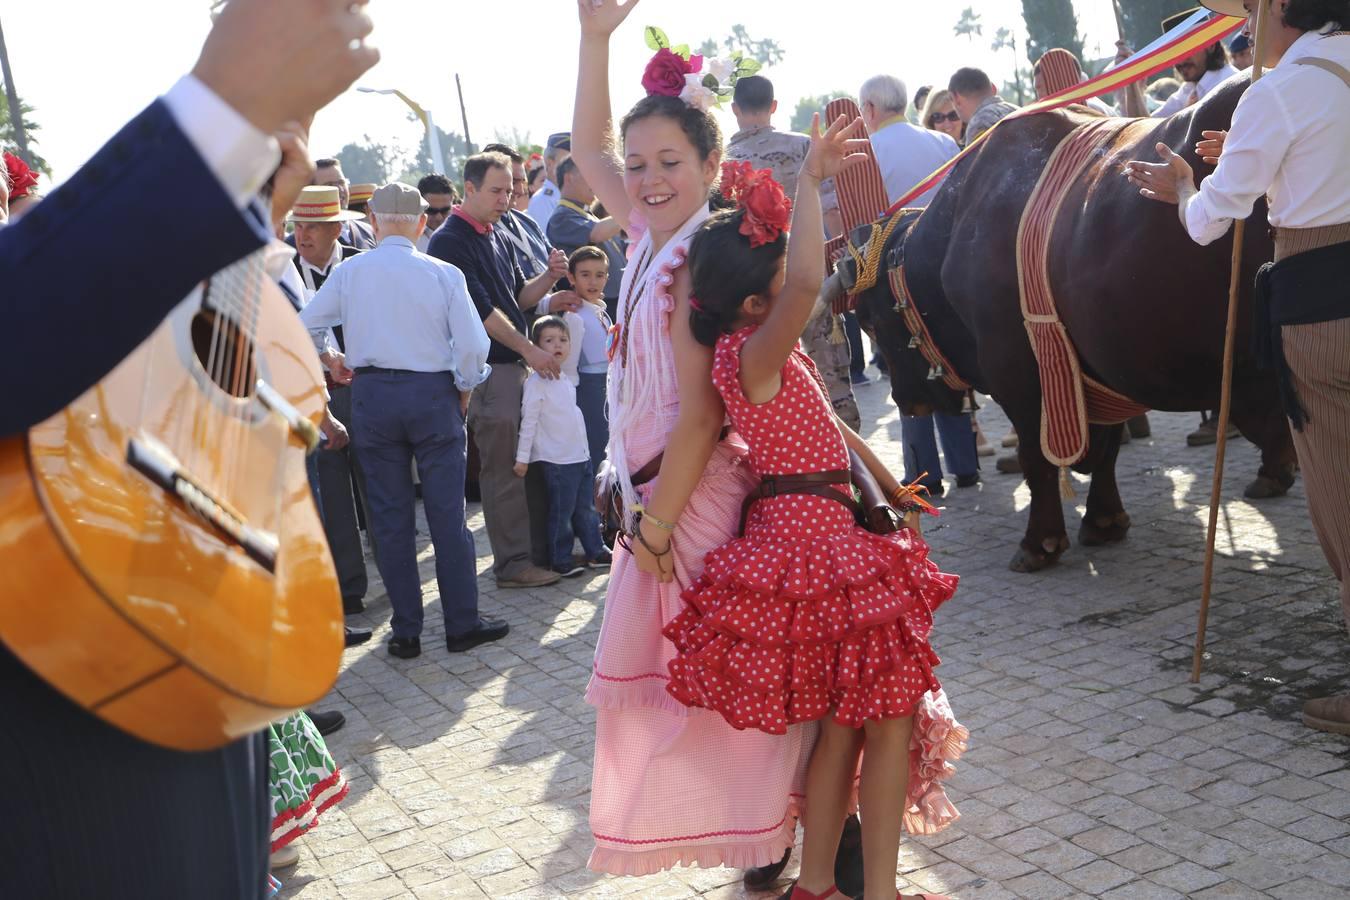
{"x": 538, "y": 326}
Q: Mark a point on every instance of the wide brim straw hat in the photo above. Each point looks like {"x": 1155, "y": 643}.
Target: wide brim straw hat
{"x": 1227, "y": 7}
{"x": 319, "y": 203}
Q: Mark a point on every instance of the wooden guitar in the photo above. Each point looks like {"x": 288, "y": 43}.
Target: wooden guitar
{"x": 164, "y": 564}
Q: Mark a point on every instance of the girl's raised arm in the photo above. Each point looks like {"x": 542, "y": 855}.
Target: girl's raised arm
{"x": 764, "y": 354}
{"x": 593, "y": 140}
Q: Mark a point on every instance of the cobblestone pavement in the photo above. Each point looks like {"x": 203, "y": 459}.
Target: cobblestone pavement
{"x": 1096, "y": 768}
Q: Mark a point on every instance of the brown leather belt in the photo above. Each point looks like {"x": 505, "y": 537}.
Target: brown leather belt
{"x": 818, "y": 484}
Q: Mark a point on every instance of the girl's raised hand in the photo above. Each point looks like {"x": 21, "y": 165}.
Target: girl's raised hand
{"x": 602, "y": 17}
{"x": 839, "y": 148}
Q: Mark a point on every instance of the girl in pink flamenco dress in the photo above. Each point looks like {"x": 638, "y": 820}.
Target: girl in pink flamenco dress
{"x": 672, "y": 786}
{"x": 807, "y": 616}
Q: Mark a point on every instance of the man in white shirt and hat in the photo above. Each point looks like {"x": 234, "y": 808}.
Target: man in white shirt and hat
{"x": 1200, "y": 73}
{"x": 547, "y": 198}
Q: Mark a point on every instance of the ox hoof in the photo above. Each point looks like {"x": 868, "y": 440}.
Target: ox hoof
{"x": 1105, "y": 530}
{"x": 1025, "y": 560}
{"x": 1266, "y": 488}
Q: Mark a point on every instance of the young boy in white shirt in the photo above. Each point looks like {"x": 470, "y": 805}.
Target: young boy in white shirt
{"x": 553, "y": 436}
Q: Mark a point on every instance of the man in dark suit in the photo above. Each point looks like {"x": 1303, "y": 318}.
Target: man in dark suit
{"x": 319, "y": 219}
{"x": 94, "y": 812}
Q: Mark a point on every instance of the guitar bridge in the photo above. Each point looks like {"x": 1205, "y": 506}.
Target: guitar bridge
{"x": 157, "y": 462}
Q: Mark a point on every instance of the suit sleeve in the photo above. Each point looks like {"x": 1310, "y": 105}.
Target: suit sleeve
{"x": 77, "y": 322}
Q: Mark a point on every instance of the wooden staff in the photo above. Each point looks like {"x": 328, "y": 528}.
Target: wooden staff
{"x": 1120, "y": 21}
{"x": 1225, "y": 392}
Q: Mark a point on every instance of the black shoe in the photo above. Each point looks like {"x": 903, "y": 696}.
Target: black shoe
{"x": 405, "y": 648}
{"x": 353, "y": 605}
{"x": 936, "y": 489}
{"x": 760, "y": 877}
{"x": 488, "y": 630}
{"x": 848, "y": 859}
{"x": 327, "y": 722}
{"x": 603, "y": 561}
{"x": 965, "y": 481}
{"x": 356, "y": 636}
{"x": 571, "y": 570}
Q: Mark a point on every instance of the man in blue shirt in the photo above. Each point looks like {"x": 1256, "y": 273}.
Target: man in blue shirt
{"x": 418, "y": 349}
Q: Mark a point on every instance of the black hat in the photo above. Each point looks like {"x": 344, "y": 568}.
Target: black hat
{"x": 560, "y": 141}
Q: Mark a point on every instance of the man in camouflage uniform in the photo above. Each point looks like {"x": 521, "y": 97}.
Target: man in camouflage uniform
{"x": 782, "y": 152}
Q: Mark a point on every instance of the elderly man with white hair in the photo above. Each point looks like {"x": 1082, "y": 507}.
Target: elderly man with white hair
{"x": 906, "y": 153}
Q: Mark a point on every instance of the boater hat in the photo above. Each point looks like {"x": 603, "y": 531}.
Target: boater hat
{"x": 360, "y": 193}
{"x": 319, "y": 203}
{"x": 1227, "y": 7}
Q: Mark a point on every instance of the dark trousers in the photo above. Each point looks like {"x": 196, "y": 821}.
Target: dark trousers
{"x": 591, "y": 399}
{"x": 516, "y": 514}
{"x": 920, "y": 446}
{"x": 857, "y": 359}
{"x": 338, "y": 470}
{"x": 92, "y": 812}
{"x": 399, "y": 418}
{"x": 571, "y": 510}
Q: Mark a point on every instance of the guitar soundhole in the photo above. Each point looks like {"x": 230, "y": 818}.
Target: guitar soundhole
{"x": 225, "y": 352}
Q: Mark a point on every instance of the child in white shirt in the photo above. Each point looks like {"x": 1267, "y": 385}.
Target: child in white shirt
{"x": 553, "y": 436}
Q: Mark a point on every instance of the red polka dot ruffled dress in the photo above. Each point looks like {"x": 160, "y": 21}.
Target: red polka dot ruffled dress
{"x": 809, "y": 612}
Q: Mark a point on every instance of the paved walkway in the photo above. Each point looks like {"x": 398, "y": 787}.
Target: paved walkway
{"x": 1096, "y": 768}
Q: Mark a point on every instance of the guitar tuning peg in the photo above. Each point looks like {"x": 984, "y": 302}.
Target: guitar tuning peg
{"x": 914, "y": 342}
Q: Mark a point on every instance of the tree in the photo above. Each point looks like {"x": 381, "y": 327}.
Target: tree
{"x": 368, "y": 162}
{"x": 1143, "y": 18}
{"x": 517, "y": 139}
{"x": 455, "y": 148}
{"x": 1006, "y": 39}
{"x": 809, "y": 106}
{"x": 766, "y": 51}
{"x": 1051, "y": 24}
{"x": 8, "y": 139}
{"x": 969, "y": 24}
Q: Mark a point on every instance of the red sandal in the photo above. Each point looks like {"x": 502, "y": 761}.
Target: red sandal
{"x": 800, "y": 893}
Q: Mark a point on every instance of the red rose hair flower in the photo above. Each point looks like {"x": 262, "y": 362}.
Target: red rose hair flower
{"x": 665, "y": 73}
{"x": 767, "y": 209}
{"x": 21, "y": 178}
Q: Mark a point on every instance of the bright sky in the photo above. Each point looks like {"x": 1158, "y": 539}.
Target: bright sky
{"x": 87, "y": 66}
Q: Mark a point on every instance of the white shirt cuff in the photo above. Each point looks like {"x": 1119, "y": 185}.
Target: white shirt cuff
{"x": 239, "y": 155}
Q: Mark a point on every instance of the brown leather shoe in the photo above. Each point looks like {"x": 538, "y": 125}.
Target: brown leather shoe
{"x": 528, "y": 577}
{"x": 1328, "y": 714}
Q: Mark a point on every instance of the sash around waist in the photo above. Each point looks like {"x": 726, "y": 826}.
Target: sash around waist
{"x": 1309, "y": 287}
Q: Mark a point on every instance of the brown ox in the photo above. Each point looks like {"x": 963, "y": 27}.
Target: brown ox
{"x": 1144, "y": 306}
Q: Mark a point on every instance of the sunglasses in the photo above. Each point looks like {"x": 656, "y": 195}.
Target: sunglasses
{"x": 438, "y": 210}
{"x": 952, "y": 116}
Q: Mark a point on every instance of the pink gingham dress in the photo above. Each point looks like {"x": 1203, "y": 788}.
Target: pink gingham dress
{"x": 674, "y": 786}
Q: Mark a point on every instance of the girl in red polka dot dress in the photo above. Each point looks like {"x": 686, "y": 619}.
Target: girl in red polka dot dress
{"x": 808, "y": 616}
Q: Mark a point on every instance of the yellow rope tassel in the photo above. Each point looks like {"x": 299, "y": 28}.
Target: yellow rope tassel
{"x": 1066, "y": 490}
{"x": 869, "y": 267}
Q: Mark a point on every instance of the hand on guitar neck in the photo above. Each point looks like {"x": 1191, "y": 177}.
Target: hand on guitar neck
{"x": 254, "y": 62}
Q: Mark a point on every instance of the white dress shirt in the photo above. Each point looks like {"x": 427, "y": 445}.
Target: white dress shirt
{"x": 241, "y": 156}
{"x": 552, "y": 428}
{"x": 400, "y": 309}
{"x": 543, "y": 203}
{"x": 1181, "y": 97}
{"x": 1289, "y": 140}
{"x": 907, "y": 154}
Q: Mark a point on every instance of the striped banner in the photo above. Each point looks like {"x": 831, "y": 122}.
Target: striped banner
{"x": 1200, "y": 30}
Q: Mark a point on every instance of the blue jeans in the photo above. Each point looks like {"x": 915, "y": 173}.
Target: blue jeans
{"x": 396, "y": 418}
{"x": 571, "y": 511}
{"x": 921, "y": 453}
{"x": 591, "y": 399}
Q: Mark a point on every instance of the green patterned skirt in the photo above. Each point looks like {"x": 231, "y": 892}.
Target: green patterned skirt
{"x": 304, "y": 781}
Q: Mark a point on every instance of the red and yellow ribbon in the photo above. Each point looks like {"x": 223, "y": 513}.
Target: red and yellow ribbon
{"x": 1137, "y": 67}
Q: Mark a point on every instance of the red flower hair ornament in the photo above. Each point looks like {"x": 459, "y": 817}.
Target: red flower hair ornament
{"x": 767, "y": 209}
{"x": 21, "y": 178}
